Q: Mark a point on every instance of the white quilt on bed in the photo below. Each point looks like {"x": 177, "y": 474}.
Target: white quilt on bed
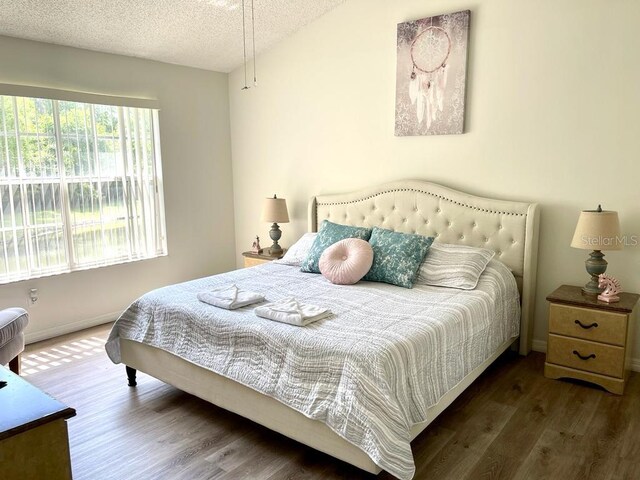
{"x": 369, "y": 372}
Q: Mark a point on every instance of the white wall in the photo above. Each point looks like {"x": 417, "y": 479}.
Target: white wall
{"x": 194, "y": 132}
{"x": 552, "y": 117}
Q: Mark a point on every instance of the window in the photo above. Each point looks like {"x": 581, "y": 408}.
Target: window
{"x": 80, "y": 185}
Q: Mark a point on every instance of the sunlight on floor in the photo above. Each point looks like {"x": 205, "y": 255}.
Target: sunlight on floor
{"x": 60, "y": 355}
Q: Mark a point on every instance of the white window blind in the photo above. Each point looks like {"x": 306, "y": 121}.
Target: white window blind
{"x": 80, "y": 186}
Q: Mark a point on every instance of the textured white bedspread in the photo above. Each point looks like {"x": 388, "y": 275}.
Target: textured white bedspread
{"x": 369, "y": 372}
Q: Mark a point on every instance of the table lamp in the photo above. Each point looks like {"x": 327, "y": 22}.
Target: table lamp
{"x": 275, "y": 210}
{"x": 597, "y": 230}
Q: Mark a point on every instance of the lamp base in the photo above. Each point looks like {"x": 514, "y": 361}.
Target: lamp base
{"x": 589, "y": 291}
{"x": 275, "y": 235}
{"x": 596, "y": 264}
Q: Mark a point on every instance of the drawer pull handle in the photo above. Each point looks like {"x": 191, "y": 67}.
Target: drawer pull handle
{"x": 586, "y": 327}
{"x": 583, "y": 357}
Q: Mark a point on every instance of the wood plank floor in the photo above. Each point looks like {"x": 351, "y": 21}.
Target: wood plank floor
{"x": 512, "y": 423}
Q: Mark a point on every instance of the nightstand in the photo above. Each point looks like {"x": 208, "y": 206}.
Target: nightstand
{"x": 589, "y": 339}
{"x": 251, "y": 259}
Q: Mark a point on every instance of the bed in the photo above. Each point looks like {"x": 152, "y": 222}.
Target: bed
{"x": 508, "y": 228}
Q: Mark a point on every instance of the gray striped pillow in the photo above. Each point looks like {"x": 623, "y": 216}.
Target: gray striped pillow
{"x": 298, "y": 251}
{"x": 453, "y": 266}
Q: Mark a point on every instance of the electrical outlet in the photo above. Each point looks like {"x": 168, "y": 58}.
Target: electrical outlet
{"x": 33, "y": 296}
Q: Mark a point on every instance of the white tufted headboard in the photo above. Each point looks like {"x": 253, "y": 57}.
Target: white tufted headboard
{"x": 412, "y": 206}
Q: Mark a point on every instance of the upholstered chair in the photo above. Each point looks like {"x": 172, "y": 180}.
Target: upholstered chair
{"x": 13, "y": 321}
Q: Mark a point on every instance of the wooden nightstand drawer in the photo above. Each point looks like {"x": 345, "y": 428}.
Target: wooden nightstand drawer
{"x": 585, "y": 355}
{"x": 252, "y": 262}
{"x": 251, "y": 259}
{"x": 595, "y": 325}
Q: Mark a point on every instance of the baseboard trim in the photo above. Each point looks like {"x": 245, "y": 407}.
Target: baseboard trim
{"x": 52, "y": 332}
{"x": 541, "y": 346}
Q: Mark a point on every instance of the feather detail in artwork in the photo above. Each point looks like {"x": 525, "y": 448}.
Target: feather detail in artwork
{"x": 432, "y": 101}
{"x": 420, "y": 107}
{"x": 428, "y": 108}
{"x": 440, "y": 89}
{"x": 413, "y": 89}
{"x": 424, "y": 83}
{"x": 440, "y": 98}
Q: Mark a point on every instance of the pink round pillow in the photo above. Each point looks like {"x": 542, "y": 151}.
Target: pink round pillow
{"x": 347, "y": 261}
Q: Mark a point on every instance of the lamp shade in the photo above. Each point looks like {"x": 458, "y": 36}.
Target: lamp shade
{"x": 597, "y": 230}
{"x": 274, "y": 210}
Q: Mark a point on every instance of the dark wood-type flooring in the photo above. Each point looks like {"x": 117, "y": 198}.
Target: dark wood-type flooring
{"x": 512, "y": 423}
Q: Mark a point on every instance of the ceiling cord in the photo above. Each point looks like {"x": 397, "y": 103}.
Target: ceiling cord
{"x": 244, "y": 47}
{"x": 253, "y": 27}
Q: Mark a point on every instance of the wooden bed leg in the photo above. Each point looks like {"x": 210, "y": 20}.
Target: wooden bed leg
{"x": 131, "y": 376}
{"x": 14, "y": 365}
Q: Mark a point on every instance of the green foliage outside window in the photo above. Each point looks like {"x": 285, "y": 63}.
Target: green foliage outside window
{"x": 102, "y": 197}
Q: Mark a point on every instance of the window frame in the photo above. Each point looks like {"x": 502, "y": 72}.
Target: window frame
{"x": 151, "y": 181}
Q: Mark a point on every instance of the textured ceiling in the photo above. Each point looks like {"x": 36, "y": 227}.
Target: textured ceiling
{"x": 198, "y": 33}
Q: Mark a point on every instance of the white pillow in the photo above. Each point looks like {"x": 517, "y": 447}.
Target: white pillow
{"x": 453, "y": 266}
{"x": 298, "y": 251}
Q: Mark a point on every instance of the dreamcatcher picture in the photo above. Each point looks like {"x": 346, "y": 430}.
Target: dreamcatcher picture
{"x": 430, "y": 82}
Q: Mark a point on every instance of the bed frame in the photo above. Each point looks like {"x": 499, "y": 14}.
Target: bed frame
{"x": 508, "y": 228}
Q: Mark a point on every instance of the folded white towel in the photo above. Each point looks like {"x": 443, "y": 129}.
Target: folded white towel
{"x": 292, "y": 312}
{"x": 229, "y": 297}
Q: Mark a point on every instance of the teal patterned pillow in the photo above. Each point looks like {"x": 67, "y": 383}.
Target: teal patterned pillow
{"x": 396, "y": 256}
{"x": 329, "y": 234}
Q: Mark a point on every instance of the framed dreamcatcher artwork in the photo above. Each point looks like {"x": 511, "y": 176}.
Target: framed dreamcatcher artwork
{"x": 431, "y": 75}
